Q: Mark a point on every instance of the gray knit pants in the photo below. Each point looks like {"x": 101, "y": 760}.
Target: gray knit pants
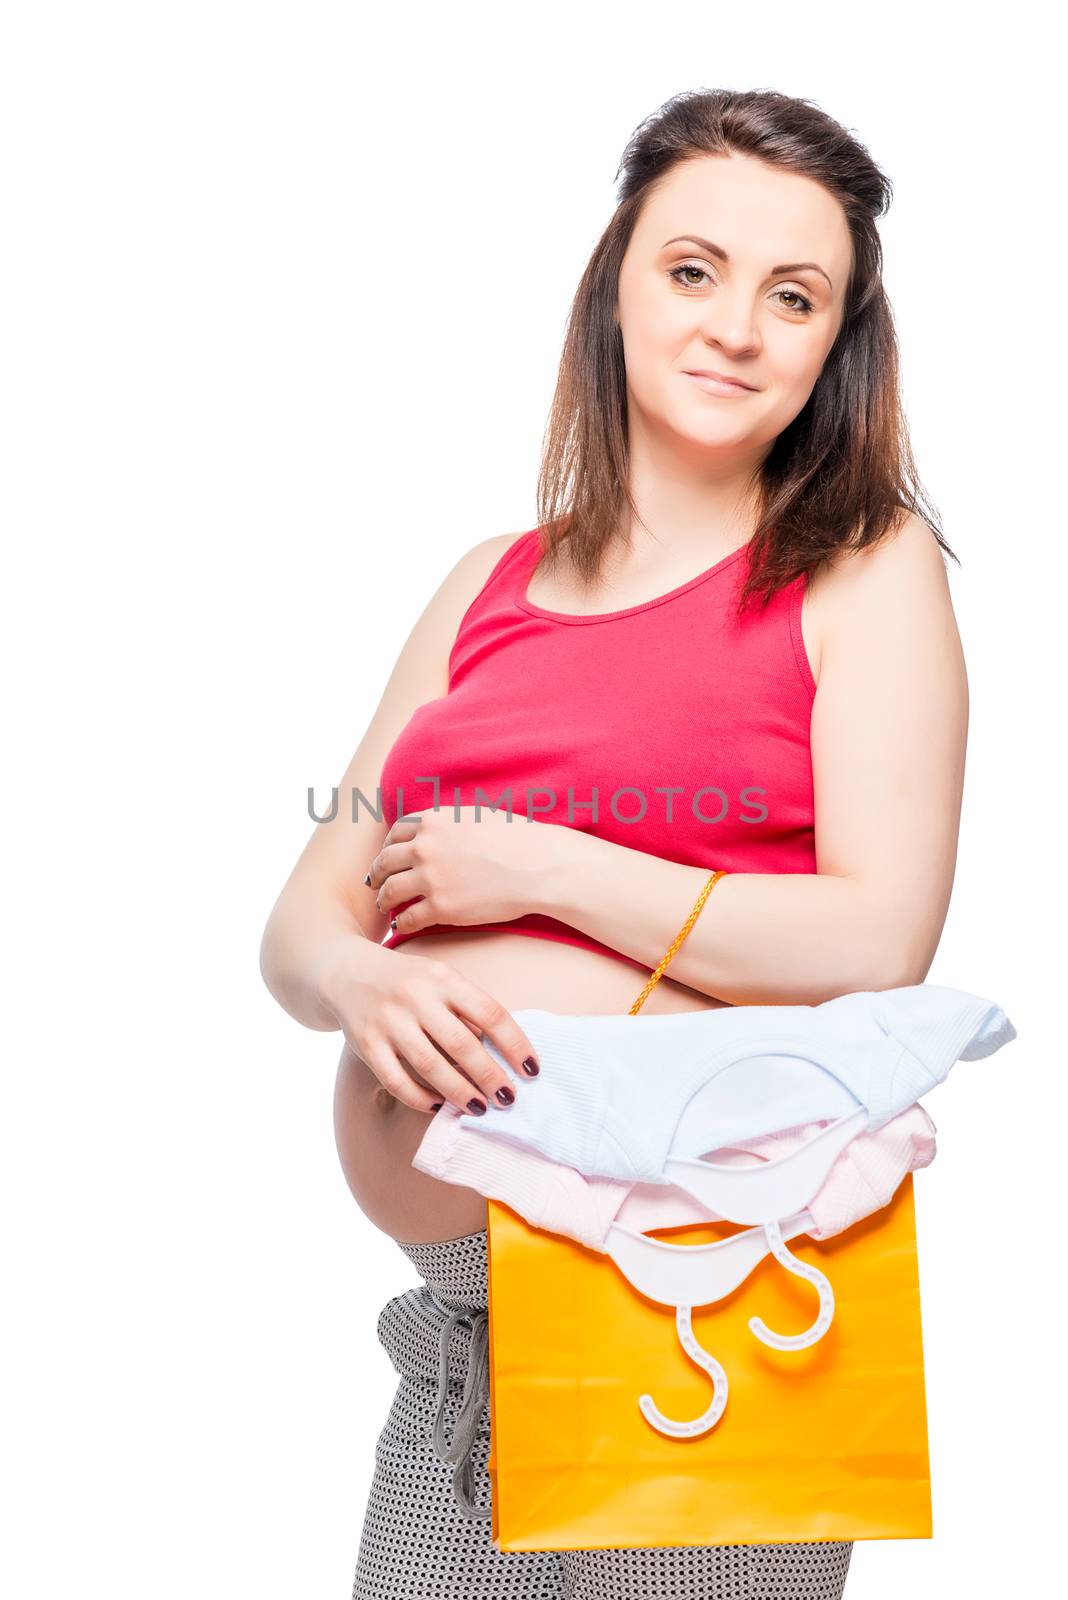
{"x": 426, "y": 1529}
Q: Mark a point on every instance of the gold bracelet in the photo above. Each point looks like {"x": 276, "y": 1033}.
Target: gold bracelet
{"x": 676, "y": 942}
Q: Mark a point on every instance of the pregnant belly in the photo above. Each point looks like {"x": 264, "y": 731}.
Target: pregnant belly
{"x": 377, "y": 1135}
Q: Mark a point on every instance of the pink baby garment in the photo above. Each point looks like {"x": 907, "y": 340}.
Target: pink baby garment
{"x": 864, "y": 1176}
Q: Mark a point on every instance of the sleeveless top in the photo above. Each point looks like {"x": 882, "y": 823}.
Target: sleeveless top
{"x": 670, "y": 727}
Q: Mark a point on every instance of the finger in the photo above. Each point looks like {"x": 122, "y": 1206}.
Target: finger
{"x": 405, "y": 828}
{"x": 492, "y": 1018}
{"x": 421, "y": 1049}
{"x": 399, "y": 884}
{"x": 453, "y": 1034}
{"x": 391, "y": 858}
{"x": 394, "y": 1076}
{"x": 413, "y": 918}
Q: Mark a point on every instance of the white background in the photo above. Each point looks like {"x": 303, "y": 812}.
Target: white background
{"x": 284, "y": 289}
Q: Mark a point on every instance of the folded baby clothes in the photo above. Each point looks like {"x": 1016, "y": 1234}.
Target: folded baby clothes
{"x": 864, "y": 1176}
{"x": 619, "y": 1097}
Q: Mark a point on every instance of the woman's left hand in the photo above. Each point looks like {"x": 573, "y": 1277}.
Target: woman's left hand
{"x": 459, "y": 867}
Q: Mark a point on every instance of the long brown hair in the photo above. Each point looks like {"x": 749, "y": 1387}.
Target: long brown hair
{"x": 841, "y": 475}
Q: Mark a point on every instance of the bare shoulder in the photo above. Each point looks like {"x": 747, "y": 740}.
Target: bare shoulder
{"x": 894, "y": 589}
{"x": 908, "y": 555}
{"x": 421, "y": 672}
{"x": 464, "y": 582}
{"x": 461, "y": 584}
{"x": 476, "y": 564}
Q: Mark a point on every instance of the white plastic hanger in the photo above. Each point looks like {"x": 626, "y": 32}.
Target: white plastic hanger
{"x": 684, "y": 1276}
{"x": 687, "y": 1275}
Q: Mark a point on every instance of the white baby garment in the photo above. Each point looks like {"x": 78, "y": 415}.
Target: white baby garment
{"x": 617, "y": 1096}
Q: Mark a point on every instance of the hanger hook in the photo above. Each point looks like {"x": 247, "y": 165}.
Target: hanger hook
{"x": 795, "y": 1341}
{"x": 708, "y": 1363}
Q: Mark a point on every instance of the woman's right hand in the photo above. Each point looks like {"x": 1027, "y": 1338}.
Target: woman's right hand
{"x": 416, "y": 1023}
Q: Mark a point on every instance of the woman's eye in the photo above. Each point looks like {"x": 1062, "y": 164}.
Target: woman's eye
{"x": 803, "y": 305}
{"x": 686, "y": 267}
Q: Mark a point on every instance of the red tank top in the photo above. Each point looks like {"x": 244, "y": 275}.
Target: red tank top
{"x": 670, "y": 727}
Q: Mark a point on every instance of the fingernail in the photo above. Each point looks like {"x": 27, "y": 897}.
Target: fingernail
{"x": 531, "y": 1066}
{"x": 505, "y": 1095}
{"x": 437, "y": 1105}
{"x": 477, "y": 1106}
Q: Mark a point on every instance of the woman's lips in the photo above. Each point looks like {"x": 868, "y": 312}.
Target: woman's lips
{"x": 718, "y": 385}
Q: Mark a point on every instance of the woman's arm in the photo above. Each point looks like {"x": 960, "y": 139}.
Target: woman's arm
{"x": 324, "y": 903}
{"x": 889, "y": 732}
{"x": 419, "y": 1026}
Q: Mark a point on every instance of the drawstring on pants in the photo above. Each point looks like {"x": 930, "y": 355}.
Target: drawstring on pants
{"x": 476, "y": 1393}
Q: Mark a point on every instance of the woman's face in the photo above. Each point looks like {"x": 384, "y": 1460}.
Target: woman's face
{"x": 715, "y": 277}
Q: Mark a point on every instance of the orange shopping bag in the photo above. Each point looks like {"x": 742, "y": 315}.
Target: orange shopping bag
{"x": 827, "y": 1442}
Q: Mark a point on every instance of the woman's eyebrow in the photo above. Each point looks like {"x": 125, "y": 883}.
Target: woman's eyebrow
{"x": 718, "y": 251}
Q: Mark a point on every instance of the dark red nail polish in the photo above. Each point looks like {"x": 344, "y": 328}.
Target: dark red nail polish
{"x": 437, "y": 1105}
{"x": 505, "y": 1095}
{"x": 531, "y": 1067}
{"x": 477, "y": 1106}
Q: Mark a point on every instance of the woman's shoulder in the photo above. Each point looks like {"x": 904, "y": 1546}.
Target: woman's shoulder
{"x": 490, "y": 553}
{"x": 468, "y": 578}
{"x": 472, "y": 572}
{"x": 421, "y": 672}
{"x": 883, "y": 592}
{"x": 907, "y": 553}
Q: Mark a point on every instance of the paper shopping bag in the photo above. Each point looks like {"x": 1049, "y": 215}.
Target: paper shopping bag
{"x": 828, "y": 1442}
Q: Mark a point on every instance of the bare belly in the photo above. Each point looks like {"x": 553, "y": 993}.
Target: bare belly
{"x": 378, "y": 1135}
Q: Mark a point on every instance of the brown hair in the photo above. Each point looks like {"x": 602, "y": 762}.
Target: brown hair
{"x": 841, "y": 475}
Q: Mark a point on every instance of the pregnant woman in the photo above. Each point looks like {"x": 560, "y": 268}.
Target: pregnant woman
{"x": 728, "y": 643}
